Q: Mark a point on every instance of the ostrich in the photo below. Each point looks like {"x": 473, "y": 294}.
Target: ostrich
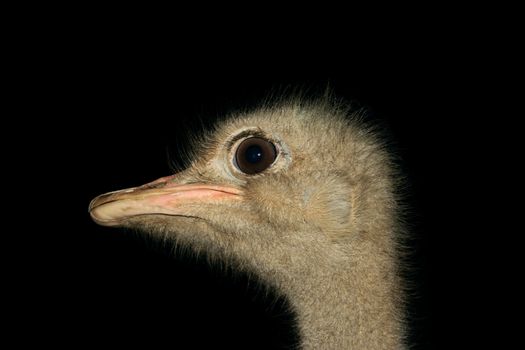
{"x": 301, "y": 194}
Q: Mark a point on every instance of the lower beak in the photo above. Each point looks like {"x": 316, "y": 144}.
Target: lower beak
{"x": 163, "y": 196}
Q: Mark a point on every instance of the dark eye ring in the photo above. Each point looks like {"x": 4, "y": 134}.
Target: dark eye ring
{"x": 254, "y": 155}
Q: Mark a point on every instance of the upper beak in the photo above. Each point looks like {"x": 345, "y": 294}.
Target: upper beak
{"x": 162, "y": 196}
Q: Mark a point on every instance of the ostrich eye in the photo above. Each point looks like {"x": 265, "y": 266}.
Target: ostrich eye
{"x": 255, "y": 155}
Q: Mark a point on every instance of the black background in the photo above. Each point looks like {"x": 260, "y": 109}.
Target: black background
{"x": 114, "y": 105}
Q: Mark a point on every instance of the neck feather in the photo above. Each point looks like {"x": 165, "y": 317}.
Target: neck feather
{"x": 349, "y": 304}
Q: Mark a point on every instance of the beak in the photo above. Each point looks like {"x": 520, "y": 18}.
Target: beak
{"x": 163, "y": 196}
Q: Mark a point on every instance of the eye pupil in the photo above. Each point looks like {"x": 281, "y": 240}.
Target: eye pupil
{"x": 254, "y": 155}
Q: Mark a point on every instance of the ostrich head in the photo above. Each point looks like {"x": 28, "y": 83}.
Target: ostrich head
{"x": 298, "y": 193}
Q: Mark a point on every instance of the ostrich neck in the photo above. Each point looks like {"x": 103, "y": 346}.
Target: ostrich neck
{"x": 345, "y": 306}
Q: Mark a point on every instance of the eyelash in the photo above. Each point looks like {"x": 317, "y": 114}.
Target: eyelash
{"x": 237, "y": 139}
